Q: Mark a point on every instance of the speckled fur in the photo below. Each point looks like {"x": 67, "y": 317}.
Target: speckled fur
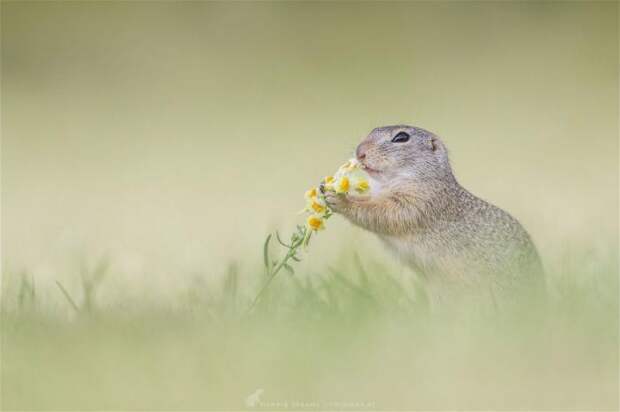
{"x": 458, "y": 242}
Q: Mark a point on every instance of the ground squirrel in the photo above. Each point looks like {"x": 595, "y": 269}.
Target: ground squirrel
{"x": 455, "y": 240}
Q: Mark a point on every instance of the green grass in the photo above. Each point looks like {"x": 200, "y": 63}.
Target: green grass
{"x": 356, "y": 336}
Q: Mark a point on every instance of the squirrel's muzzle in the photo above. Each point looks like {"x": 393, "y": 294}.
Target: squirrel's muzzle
{"x": 361, "y": 150}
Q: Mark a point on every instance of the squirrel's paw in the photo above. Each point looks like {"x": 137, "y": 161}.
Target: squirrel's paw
{"x": 337, "y": 202}
{"x": 341, "y": 202}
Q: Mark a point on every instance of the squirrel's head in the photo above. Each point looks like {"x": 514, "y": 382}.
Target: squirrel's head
{"x": 402, "y": 154}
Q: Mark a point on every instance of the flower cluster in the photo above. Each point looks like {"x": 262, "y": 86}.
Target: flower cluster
{"x": 349, "y": 178}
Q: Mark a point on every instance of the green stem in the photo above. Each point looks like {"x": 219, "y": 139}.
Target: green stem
{"x": 291, "y": 253}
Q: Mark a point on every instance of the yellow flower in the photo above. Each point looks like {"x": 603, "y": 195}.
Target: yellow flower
{"x": 311, "y": 193}
{"x": 315, "y": 203}
{"x": 315, "y": 222}
{"x": 358, "y": 180}
{"x": 317, "y": 207}
{"x": 349, "y": 176}
{"x": 342, "y": 185}
{"x": 362, "y": 186}
{"x": 346, "y": 167}
{"x": 349, "y": 166}
{"x": 328, "y": 183}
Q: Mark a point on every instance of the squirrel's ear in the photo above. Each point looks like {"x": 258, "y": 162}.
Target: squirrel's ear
{"x": 434, "y": 143}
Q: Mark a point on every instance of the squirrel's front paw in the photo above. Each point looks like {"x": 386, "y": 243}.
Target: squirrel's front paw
{"x": 337, "y": 202}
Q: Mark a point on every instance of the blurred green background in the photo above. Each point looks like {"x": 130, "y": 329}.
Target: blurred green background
{"x": 171, "y": 137}
{"x": 174, "y": 135}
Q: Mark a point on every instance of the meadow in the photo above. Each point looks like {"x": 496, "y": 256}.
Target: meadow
{"x": 357, "y": 336}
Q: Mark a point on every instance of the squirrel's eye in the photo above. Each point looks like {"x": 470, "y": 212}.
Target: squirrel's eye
{"x": 401, "y": 137}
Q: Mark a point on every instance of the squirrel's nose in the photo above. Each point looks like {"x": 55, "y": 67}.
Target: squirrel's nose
{"x": 360, "y": 152}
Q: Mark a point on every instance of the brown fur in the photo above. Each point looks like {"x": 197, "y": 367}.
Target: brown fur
{"x": 452, "y": 238}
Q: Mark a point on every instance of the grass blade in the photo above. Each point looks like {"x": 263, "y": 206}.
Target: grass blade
{"x": 68, "y": 296}
{"x": 281, "y": 241}
{"x": 266, "y": 254}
